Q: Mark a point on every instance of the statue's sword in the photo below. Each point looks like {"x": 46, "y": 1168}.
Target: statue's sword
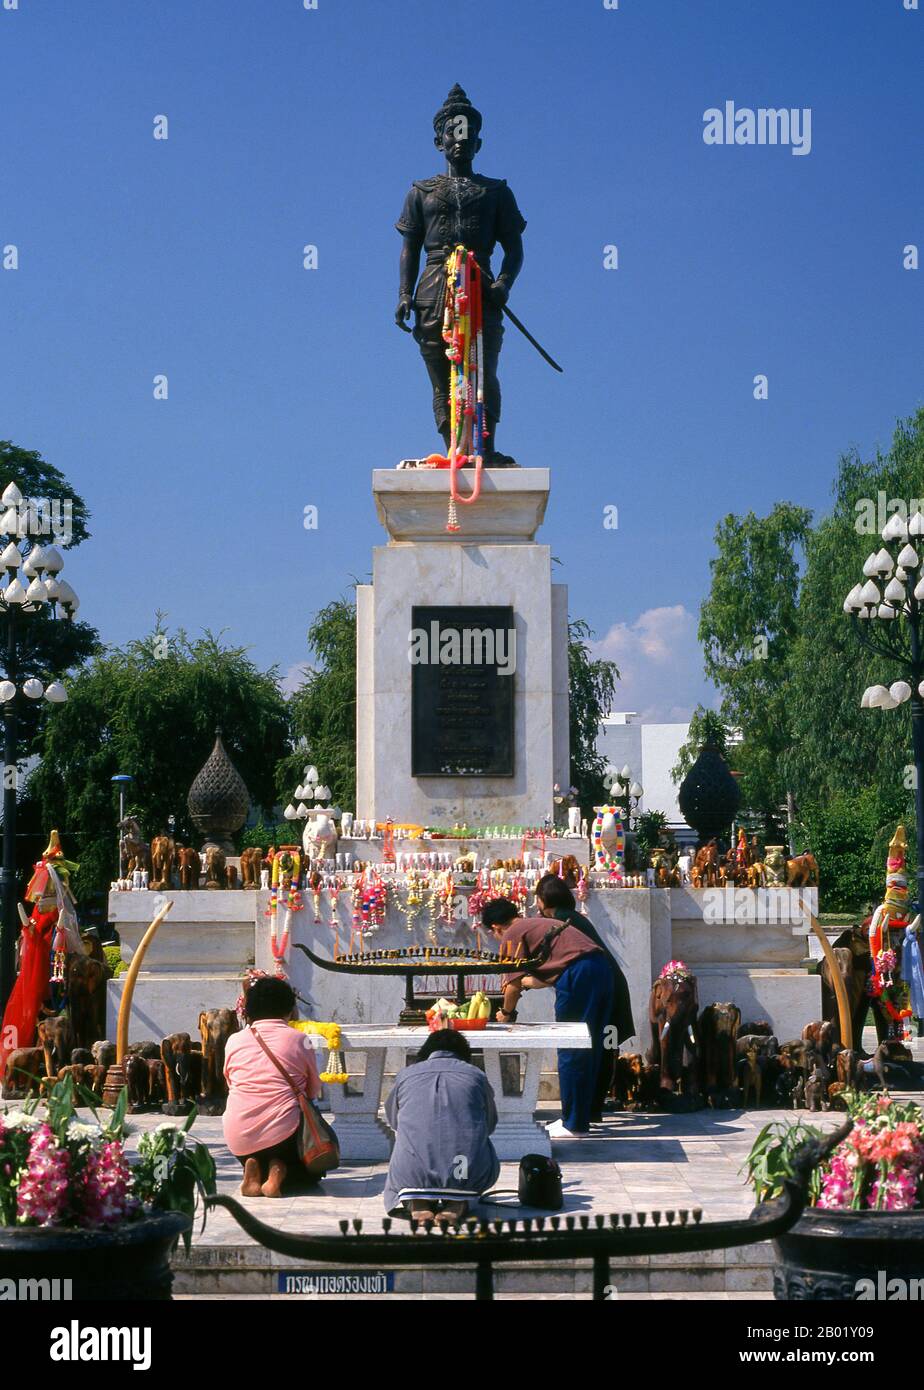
{"x": 526, "y": 334}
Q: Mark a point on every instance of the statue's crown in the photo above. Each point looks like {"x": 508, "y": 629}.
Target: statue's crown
{"x": 456, "y": 104}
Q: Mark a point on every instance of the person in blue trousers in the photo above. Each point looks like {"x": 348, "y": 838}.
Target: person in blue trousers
{"x": 579, "y": 971}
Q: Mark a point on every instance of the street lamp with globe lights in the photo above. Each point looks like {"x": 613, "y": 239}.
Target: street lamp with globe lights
{"x": 887, "y": 615}
{"x": 43, "y": 592}
{"x": 625, "y": 792}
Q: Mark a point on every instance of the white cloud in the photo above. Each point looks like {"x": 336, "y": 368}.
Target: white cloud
{"x": 294, "y": 678}
{"x": 660, "y": 665}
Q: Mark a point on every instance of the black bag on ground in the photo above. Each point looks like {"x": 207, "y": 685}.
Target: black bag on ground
{"x": 540, "y": 1183}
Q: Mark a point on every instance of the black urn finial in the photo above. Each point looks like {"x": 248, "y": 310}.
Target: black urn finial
{"x": 709, "y": 795}
{"x": 218, "y": 799}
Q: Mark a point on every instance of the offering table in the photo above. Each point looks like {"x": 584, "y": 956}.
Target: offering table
{"x": 365, "y": 1137}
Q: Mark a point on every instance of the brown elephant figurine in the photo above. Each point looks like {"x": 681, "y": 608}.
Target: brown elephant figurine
{"x": 251, "y": 864}
{"x": 86, "y": 975}
{"x": 855, "y": 963}
{"x": 84, "y": 1077}
{"x": 163, "y": 853}
{"x": 182, "y": 1072}
{"x": 215, "y": 1028}
{"x": 190, "y": 867}
{"x": 706, "y": 865}
{"x": 750, "y": 1074}
{"x": 157, "y": 1086}
{"x": 802, "y": 871}
{"x": 672, "y": 1010}
{"x": 821, "y": 1037}
{"x": 25, "y": 1068}
{"x": 214, "y": 867}
{"x": 137, "y": 1081}
{"x": 104, "y": 1053}
{"x": 94, "y": 1078}
{"x": 718, "y": 1032}
{"x": 230, "y": 875}
{"x": 56, "y": 1038}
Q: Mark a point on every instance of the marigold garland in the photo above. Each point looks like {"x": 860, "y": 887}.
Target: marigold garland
{"x": 335, "y": 1072}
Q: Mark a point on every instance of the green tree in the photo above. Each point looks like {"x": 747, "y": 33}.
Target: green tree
{"x": 151, "y": 709}
{"x": 591, "y": 688}
{"x": 836, "y": 745}
{"x": 323, "y": 710}
{"x": 849, "y": 834}
{"x": 747, "y": 625}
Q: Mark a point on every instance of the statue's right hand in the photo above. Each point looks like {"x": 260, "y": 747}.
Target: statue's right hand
{"x": 403, "y": 312}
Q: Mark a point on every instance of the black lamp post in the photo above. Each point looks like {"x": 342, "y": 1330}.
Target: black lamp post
{"x": 40, "y": 566}
{"x": 887, "y": 614}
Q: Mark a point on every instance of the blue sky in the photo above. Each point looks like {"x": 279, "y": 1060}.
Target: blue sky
{"x": 290, "y": 126}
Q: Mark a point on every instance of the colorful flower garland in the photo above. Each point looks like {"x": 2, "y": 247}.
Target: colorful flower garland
{"x": 462, "y": 332}
{"x": 335, "y": 1073}
{"x": 285, "y": 878}
{"x": 675, "y": 971}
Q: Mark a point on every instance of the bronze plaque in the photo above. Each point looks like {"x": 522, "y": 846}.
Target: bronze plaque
{"x": 463, "y": 660}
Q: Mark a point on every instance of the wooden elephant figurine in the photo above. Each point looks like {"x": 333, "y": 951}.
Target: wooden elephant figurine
{"x": 718, "y": 1031}
{"x": 251, "y": 864}
{"x": 136, "y": 1081}
{"x": 182, "y": 1072}
{"x": 86, "y": 975}
{"x": 55, "y": 1036}
{"x": 215, "y": 865}
{"x": 22, "y": 1076}
{"x": 163, "y": 853}
{"x": 104, "y": 1053}
{"x": 672, "y": 1010}
{"x": 215, "y": 1028}
{"x": 802, "y": 871}
{"x": 190, "y": 867}
{"x": 855, "y": 963}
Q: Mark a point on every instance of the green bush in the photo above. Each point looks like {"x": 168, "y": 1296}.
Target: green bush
{"x": 114, "y": 959}
{"x": 849, "y": 834}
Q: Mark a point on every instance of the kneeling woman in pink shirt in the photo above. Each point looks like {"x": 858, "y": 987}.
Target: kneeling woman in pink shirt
{"x": 262, "y": 1117}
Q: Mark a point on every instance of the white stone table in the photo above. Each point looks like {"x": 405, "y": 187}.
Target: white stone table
{"x": 366, "y": 1138}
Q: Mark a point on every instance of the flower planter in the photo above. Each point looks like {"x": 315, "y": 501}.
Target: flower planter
{"x": 128, "y": 1263}
{"x": 827, "y": 1252}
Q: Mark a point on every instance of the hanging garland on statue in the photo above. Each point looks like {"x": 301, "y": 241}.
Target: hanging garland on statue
{"x": 285, "y": 877}
{"x": 463, "y": 335}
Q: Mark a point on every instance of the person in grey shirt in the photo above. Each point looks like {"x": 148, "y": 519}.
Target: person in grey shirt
{"x": 443, "y": 1113}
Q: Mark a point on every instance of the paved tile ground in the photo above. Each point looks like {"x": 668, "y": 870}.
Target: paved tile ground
{"x": 632, "y": 1162}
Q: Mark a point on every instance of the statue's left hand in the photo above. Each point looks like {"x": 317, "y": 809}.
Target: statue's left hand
{"x": 498, "y": 294}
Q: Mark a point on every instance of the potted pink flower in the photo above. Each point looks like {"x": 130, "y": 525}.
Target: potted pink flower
{"x": 865, "y": 1221}
{"x": 73, "y": 1208}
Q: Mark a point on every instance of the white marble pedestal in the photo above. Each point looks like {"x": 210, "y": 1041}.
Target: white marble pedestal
{"x": 364, "y": 1136}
